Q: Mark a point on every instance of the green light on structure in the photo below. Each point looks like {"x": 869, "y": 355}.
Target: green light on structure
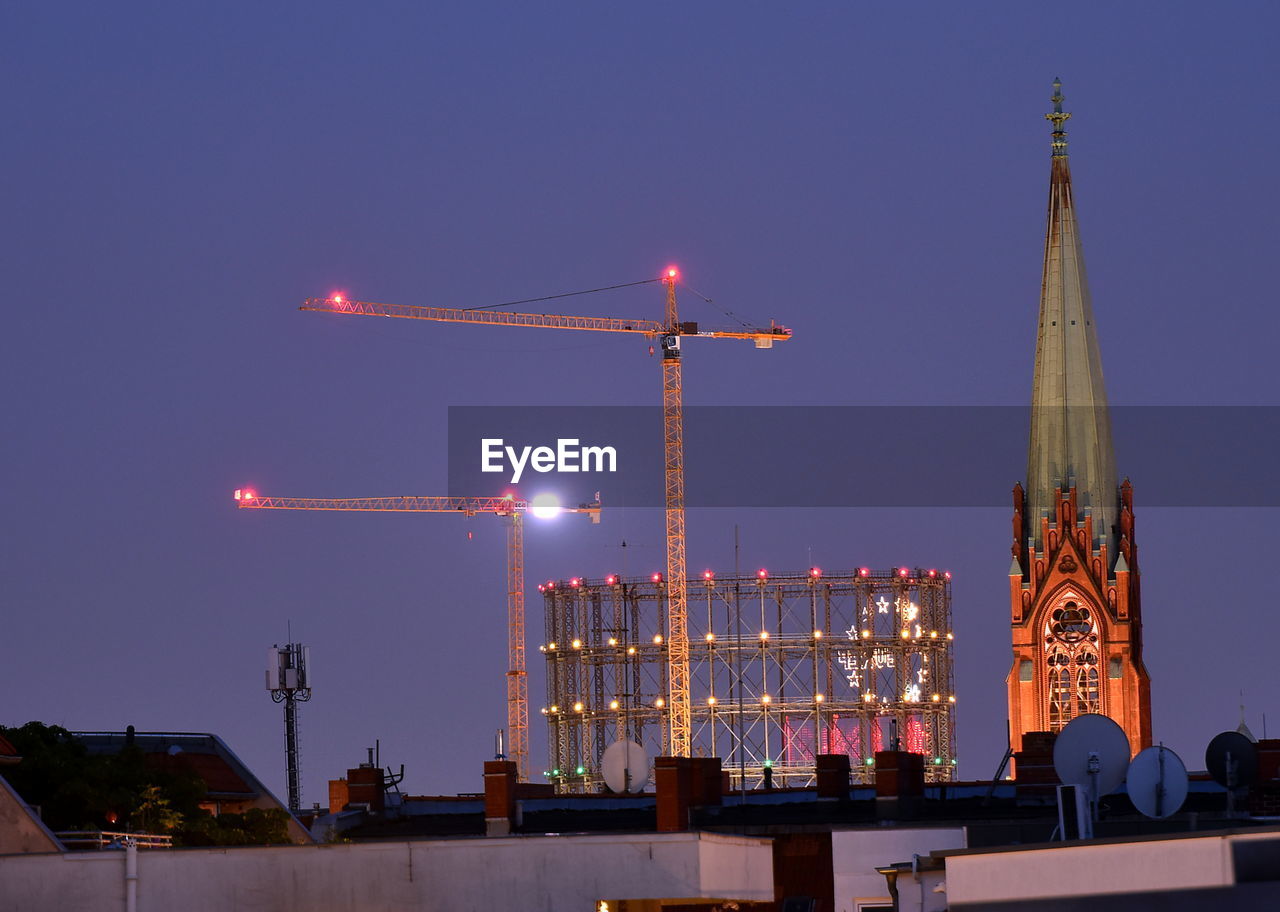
{"x": 581, "y": 770}
{"x": 555, "y": 772}
{"x": 871, "y": 761}
{"x": 937, "y": 760}
{"x": 768, "y": 764}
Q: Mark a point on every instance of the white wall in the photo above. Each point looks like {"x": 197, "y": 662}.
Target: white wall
{"x": 1150, "y": 865}
{"x": 529, "y": 872}
{"x": 855, "y": 855}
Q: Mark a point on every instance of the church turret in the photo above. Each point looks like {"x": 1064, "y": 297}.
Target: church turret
{"x": 1077, "y": 638}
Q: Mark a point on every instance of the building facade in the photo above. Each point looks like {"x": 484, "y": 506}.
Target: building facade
{"x": 1074, "y": 583}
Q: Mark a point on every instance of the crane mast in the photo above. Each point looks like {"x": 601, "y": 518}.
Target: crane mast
{"x": 510, "y": 509}
{"x": 678, "y": 735}
{"x": 679, "y": 730}
{"x": 517, "y": 673}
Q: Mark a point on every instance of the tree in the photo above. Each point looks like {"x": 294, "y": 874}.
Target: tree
{"x": 77, "y": 790}
{"x": 255, "y": 826}
{"x": 153, "y": 813}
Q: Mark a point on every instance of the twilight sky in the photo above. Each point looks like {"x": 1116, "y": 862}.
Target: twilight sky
{"x": 177, "y": 177}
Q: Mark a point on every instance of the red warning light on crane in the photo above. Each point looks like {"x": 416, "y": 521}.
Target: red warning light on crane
{"x": 671, "y": 274}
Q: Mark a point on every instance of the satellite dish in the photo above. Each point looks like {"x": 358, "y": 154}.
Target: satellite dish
{"x": 1092, "y": 751}
{"x": 625, "y": 766}
{"x": 1157, "y": 782}
{"x": 1242, "y": 754}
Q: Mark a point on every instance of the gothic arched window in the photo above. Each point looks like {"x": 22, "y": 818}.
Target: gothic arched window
{"x": 1059, "y": 696}
{"x": 1071, "y": 660}
{"x": 1087, "y": 690}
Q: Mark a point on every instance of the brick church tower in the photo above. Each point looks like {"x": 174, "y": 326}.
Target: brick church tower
{"x": 1077, "y": 622}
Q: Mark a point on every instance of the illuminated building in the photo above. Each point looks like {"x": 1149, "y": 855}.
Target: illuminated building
{"x": 1077, "y": 624}
{"x": 783, "y": 667}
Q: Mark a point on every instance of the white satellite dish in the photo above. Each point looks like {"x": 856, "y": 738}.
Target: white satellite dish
{"x": 1092, "y": 751}
{"x": 625, "y": 766}
{"x": 1157, "y": 782}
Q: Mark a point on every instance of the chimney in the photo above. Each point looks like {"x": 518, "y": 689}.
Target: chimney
{"x": 339, "y": 796}
{"x": 833, "y": 776}
{"x": 1033, "y": 770}
{"x": 899, "y": 783}
{"x": 684, "y": 783}
{"x": 708, "y": 782}
{"x": 499, "y": 797}
{"x": 1264, "y": 793}
{"x": 364, "y": 786}
{"x": 674, "y": 782}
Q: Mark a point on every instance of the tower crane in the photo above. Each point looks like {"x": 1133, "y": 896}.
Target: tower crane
{"x": 670, "y": 331}
{"x": 508, "y": 507}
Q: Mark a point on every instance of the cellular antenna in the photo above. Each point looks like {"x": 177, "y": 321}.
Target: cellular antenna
{"x": 289, "y": 681}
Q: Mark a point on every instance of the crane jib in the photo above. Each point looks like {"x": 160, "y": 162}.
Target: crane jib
{"x": 763, "y": 338}
{"x": 678, "y": 730}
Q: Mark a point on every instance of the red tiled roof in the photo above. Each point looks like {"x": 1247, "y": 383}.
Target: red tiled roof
{"x": 216, "y": 774}
{"x": 6, "y": 749}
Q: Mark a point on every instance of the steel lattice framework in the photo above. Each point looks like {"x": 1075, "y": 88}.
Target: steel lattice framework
{"x": 781, "y": 668}
{"x": 678, "y": 738}
{"x": 517, "y": 676}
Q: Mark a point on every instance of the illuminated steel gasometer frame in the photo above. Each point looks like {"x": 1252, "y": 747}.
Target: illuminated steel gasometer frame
{"x": 782, "y": 667}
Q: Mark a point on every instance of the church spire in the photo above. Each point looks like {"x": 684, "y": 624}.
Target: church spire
{"x": 1076, "y": 619}
{"x": 1070, "y": 427}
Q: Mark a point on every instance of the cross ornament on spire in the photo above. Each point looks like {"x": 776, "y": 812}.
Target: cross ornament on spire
{"x": 1058, "y": 117}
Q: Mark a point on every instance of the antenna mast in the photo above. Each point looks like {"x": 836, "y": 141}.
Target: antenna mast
{"x": 289, "y": 682}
